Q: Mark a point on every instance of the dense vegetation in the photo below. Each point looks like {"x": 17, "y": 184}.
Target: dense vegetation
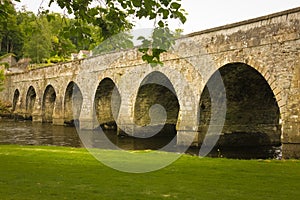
{"x": 67, "y": 173}
{"x": 52, "y": 37}
{"x": 44, "y": 37}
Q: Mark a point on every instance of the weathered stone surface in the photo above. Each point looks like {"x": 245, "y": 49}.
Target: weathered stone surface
{"x": 263, "y": 100}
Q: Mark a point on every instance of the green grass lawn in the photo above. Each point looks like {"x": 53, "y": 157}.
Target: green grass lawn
{"x": 31, "y": 172}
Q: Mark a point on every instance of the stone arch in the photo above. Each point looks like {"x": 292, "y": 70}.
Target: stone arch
{"x": 72, "y": 103}
{"x": 107, "y": 103}
{"x": 16, "y": 99}
{"x": 30, "y": 101}
{"x": 261, "y": 67}
{"x": 253, "y": 114}
{"x": 183, "y": 77}
{"x": 49, "y": 98}
{"x": 156, "y": 88}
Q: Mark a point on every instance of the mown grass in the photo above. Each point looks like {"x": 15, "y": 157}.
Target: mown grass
{"x": 28, "y": 172}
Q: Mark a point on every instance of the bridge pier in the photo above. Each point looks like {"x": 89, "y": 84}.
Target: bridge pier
{"x": 37, "y": 118}
{"x": 58, "y": 121}
{"x": 291, "y": 150}
{"x": 18, "y": 111}
{"x": 58, "y": 111}
{"x": 291, "y": 141}
{"x": 187, "y": 138}
{"x": 291, "y": 121}
{"x": 88, "y": 123}
{"x": 37, "y": 114}
{"x": 125, "y": 129}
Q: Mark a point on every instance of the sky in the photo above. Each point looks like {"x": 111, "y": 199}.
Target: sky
{"x": 204, "y": 14}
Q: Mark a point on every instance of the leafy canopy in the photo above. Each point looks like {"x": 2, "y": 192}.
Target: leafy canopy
{"x": 36, "y": 39}
{"x": 111, "y": 16}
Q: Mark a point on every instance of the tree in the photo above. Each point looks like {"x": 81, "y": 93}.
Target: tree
{"x": 62, "y": 46}
{"x": 79, "y": 32}
{"x": 107, "y": 17}
{"x": 11, "y": 40}
{"x": 38, "y": 47}
{"x": 111, "y": 16}
{"x": 37, "y": 35}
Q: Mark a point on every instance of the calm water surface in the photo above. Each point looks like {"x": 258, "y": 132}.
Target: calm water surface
{"x": 28, "y": 133}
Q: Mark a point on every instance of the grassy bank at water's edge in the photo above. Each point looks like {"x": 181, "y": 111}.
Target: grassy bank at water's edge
{"x": 34, "y": 172}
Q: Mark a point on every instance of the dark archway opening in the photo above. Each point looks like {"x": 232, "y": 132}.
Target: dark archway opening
{"x": 107, "y": 104}
{"x": 48, "y": 104}
{"x": 15, "y": 99}
{"x": 72, "y": 104}
{"x": 252, "y": 124}
{"x": 30, "y": 100}
{"x": 156, "y": 89}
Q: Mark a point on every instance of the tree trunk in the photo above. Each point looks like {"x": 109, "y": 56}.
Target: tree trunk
{"x": 12, "y": 47}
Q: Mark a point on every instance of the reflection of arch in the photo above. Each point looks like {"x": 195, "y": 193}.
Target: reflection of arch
{"x": 107, "y": 104}
{"x": 30, "y": 100}
{"x": 156, "y": 88}
{"x": 252, "y": 116}
{"x": 15, "y": 99}
{"x": 72, "y": 103}
{"x": 48, "y": 103}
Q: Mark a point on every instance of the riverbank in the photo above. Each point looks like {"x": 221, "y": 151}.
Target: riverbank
{"x": 5, "y": 109}
{"x": 35, "y": 172}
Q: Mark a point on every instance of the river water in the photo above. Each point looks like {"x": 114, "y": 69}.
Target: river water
{"x": 29, "y": 133}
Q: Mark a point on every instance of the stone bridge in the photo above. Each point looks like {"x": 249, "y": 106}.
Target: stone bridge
{"x": 256, "y": 62}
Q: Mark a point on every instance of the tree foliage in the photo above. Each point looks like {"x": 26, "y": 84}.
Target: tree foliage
{"x": 111, "y": 16}
{"x": 44, "y": 37}
{"x": 47, "y": 35}
{"x": 10, "y": 35}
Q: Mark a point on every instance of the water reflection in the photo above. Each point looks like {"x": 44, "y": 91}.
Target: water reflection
{"x": 109, "y": 140}
{"x": 28, "y": 133}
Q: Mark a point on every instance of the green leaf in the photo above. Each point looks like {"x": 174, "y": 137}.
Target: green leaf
{"x": 137, "y": 3}
{"x": 181, "y": 17}
{"x": 161, "y": 24}
{"x": 152, "y": 16}
{"x": 175, "y": 5}
{"x": 165, "y": 2}
{"x": 165, "y": 14}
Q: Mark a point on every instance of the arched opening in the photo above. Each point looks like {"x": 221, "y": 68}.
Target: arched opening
{"x": 252, "y": 117}
{"x": 72, "y": 103}
{"x": 107, "y": 104}
{"x": 48, "y": 104}
{"x": 15, "y": 99}
{"x": 30, "y": 100}
{"x": 156, "y": 89}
